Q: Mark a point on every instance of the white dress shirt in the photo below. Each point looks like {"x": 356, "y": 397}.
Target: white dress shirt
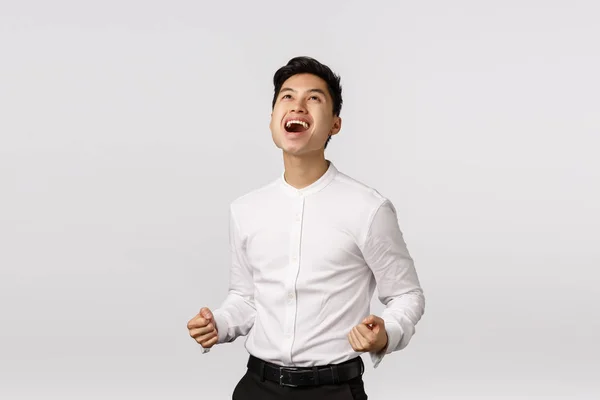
{"x": 305, "y": 265}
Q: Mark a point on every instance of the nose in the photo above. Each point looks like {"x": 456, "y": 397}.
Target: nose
{"x": 298, "y": 106}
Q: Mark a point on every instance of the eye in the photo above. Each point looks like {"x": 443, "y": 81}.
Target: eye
{"x": 317, "y": 98}
{"x": 286, "y": 96}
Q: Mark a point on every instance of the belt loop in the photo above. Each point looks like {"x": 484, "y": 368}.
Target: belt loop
{"x": 316, "y": 374}
{"x": 262, "y": 371}
{"x": 334, "y": 374}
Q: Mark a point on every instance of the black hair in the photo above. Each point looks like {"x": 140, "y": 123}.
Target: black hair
{"x": 308, "y": 65}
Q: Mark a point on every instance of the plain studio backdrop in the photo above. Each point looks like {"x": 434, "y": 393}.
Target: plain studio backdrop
{"x": 127, "y": 128}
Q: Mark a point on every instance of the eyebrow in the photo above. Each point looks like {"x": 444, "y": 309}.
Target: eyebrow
{"x": 287, "y": 89}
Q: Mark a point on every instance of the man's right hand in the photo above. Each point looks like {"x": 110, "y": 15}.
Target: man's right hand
{"x": 203, "y": 328}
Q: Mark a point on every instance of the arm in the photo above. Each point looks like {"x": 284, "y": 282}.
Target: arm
{"x": 236, "y": 315}
{"x": 399, "y": 289}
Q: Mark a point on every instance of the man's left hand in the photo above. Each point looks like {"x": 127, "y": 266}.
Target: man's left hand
{"x": 369, "y": 336}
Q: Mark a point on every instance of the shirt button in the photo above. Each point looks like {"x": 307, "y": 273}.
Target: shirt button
{"x": 290, "y": 295}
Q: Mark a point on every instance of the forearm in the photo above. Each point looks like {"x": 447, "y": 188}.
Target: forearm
{"x": 235, "y": 317}
{"x": 401, "y": 316}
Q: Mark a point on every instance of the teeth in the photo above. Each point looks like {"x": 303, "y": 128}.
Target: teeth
{"x": 294, "y": 121}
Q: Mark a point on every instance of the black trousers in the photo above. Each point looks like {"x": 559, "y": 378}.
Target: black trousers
{"x": 251, "y": 387}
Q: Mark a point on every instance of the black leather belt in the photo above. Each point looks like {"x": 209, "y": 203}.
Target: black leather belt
{"x": 307, "y": 376}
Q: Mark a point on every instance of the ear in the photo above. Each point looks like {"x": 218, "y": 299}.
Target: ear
{"x": 337, "y": 126}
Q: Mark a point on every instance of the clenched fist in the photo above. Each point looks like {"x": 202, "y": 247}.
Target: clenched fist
{"x": 203, "y": 328}
{"x": 369, "y": 335}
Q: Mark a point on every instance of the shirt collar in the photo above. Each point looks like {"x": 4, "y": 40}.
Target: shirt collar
{"x": 314, "y": 187}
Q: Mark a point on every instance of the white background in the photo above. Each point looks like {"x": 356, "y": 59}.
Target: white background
{"x": 127, "y": 127}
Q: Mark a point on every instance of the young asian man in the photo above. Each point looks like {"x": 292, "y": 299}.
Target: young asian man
{"x": 308, "y": 251}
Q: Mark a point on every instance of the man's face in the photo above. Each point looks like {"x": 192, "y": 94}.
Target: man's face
{"x": 302, "y": 118}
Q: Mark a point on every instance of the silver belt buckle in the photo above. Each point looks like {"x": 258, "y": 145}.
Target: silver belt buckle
{"x": 281, "y": 370}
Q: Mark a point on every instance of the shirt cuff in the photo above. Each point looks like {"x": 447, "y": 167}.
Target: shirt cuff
{"x": 394, "y": 334}
{"x": 222, "y": 326}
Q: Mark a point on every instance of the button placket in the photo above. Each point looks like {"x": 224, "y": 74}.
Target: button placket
{"x": 293, "y": 269}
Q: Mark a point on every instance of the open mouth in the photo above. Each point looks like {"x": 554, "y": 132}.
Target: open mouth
{"x": 296, "y": 126}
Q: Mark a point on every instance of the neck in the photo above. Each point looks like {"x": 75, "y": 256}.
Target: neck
{"x": 302, "y": 171}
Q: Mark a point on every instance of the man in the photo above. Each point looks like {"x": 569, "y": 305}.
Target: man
{"x": 308, "y": 251}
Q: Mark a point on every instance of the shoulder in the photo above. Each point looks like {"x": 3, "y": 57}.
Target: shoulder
{"x": 359, "y": 194}
{"x": 256, "y": 197}
{"x": 360, "y": 204}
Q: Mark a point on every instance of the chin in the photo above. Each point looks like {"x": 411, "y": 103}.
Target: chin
{"x": 291, "y": 149}
{"x": 287, "y": 144}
